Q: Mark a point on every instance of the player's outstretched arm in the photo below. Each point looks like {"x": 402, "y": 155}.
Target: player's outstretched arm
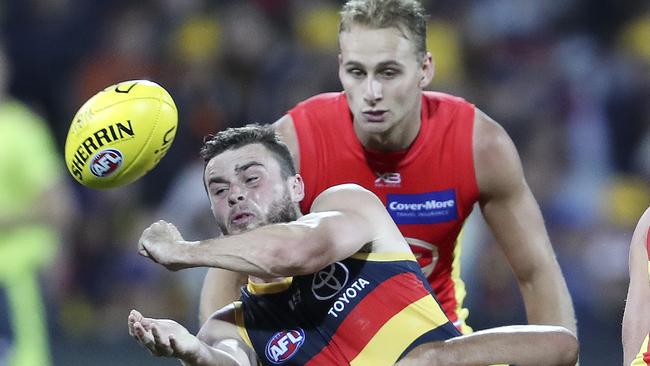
{"x": 164, "y": 337}
{"x": 636, "y": 319}
{"x": 524, "y": 345}
{"x": 342, "y": 220}
{"x": 515, "y": 219}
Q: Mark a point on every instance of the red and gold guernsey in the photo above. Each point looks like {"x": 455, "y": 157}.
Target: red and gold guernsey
{"x": 367, "y": 310}
{"x": 428, "y": 189}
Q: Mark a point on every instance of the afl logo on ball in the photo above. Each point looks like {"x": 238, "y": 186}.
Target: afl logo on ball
{"x": 106, "y": 162}
{"x": 284, "y": 345}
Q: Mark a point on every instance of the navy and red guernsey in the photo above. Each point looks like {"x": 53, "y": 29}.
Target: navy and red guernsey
{"x": 369, "y": 309}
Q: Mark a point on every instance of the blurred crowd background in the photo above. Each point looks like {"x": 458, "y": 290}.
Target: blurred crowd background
{"x": 568, "y": 79}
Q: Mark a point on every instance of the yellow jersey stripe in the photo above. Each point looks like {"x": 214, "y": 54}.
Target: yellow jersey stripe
{"x": 459, "y": 287}
{"x": 385, "y": 257}
{"x": 269, "y": 288}
{"x": 241, "y": 327}
{"x": 638, "y": 360}
{"x": 385, "y": 347}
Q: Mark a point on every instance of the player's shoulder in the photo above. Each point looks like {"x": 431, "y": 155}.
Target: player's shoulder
{"x": 330, "y": 97}
{"x": 444, "y": 97}
{"x": 345, "y": 196}
{"x": 490, "y": 137}
{"x": 496, "y": 160}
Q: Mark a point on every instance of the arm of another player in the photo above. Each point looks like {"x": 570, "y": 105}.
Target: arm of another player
{"x": 221, "y": 286}
{"x": 344, "y": 218}
{"x": 515, "y": 219}
{"x": 636, "y": 319}
{"x": 164, "y": 337}
{"x": 523, "y": 345}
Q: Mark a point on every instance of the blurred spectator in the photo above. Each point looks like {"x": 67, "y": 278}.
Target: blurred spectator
{"x": 35, "y": 210}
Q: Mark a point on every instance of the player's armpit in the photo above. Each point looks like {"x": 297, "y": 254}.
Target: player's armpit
{"x": 220, "y": 288}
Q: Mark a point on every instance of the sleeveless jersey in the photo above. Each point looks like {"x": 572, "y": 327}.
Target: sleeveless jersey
{"x": 369, "y": 309}
{"x": 429, "y": 189}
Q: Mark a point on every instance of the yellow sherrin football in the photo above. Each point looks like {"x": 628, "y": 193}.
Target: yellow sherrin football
{"x": 120, "y": 134}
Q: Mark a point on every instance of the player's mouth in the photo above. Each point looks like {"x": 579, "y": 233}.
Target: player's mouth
{"x": 375, "y": 116}
{"x": 242, "y": 218}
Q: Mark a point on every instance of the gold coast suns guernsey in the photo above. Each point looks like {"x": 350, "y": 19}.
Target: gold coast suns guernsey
{"x": 369, "y": 309}
{"x": 429, "y": 189}
{"x": 643, "y": 358}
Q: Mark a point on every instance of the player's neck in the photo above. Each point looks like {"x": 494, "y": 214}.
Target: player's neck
{"x": 399, "y": 137}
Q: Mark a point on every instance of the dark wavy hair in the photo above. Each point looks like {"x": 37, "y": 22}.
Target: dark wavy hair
{"x": 234, "y": 138}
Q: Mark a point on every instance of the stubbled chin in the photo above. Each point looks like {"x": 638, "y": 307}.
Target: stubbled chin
{"x": 238, "y": 229}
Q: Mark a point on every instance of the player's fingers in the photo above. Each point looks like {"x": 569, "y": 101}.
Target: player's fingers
{"x": 144, "y": 338}
{"x": 142, "y": 250}
{"x": 131, "y": 320}
{"x": 161, "y": 343}
{"x": 179, "y": 350}
{"x": 176, "y": 346}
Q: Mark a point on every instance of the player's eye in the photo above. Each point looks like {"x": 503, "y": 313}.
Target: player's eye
{"x": 389, "y": 73}
{"x": 252, "y": 179}
{"x": 356, "y": 73}
{"x": 219, "y": 192}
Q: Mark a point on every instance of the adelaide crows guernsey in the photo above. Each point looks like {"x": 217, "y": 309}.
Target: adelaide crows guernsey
{"x": 429, "y": 189}
{"x": 369, "y": 309}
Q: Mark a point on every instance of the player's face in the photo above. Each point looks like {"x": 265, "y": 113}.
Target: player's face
{"x": 247, "y": 190}
{"x": 382, "y": 77}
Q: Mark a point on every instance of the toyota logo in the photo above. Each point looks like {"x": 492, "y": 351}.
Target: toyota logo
{"x": 329, "y": 281}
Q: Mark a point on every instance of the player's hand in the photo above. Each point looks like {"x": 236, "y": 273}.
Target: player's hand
{"x": 163, "y": 244}
{"x": 163, "y": 337}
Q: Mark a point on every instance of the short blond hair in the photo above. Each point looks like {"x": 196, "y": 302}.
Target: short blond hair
{"x": 406, "y": 15}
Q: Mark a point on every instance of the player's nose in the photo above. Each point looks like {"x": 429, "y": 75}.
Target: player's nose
{"x": 372, "y": 91}
{"x": 236, "y": 195}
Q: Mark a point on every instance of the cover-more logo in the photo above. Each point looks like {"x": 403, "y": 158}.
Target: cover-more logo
{"x": 423, "y": 208}
{"x": 327, "y": 282}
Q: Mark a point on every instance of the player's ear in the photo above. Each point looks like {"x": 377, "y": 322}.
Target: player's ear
{"x": 428, "y": 70}
{"x": 297, "y": 188}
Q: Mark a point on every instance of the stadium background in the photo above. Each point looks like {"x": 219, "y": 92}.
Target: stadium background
{"x": 568, "y": 79}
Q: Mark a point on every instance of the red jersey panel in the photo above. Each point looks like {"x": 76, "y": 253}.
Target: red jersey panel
{"x": 429, "y": 189}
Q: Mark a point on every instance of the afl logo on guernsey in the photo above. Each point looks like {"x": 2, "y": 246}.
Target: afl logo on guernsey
{"x": 284, "y": 345}
{"x": 106, "y": 162}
